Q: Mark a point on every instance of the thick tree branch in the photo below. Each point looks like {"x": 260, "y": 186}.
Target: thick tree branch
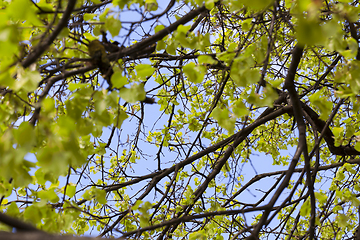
{"x": 42, "y": 46}
{"x": 40, "y": 236}
{"x": 295, "y": 100}
{"x": 15, "y": 223}
{"x": 297, "y": 53}
{"x": 138, "y": 47}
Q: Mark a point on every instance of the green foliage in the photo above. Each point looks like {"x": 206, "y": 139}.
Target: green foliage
{"x": 137, "y": 147}
{"x": 222, "y": 117}
{"x": 324, "y": 106}
{"x": 113, "y": 25}
{"x": 144, "y": 70}
{"x": 133, "y": 94}
{"x": 194, "y": 73}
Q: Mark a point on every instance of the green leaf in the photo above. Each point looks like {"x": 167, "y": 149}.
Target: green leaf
{"x": 340, "y": 175}
{"x": 171, "y": 47}
{"x": 305, "y": 208}
{"x": 19, "y": 9}
{"x": 194, "y": 73}
{"x": 200, "y": 235}
{"x": 242, "y": 72}
{"x": 309, "y": 31}
{"x": 64, "y": 33}
{"x": 13, "y": 210}
{"x": 160, "y": 45}
{"x": 89, "y": 16}
{"x": 88, "y": 194}
{"x": 322, "y": 103}
{"x": 44, "y": 5}
{"x": 146, "y": 206}
{"x": 246, "y": 26}
{"x": 40, "y": 176}
{"x": 151, "y": 5}
{"x": 133, "y": 94}
{"x": 144, "y": 221}
{"x": 257, "y": 4}
{"x": 158, "y": 28}
{"x": 183, "y": 29}
{"x": 206, "y": 59}
{"x": 75, "y": 86}
{"x": 240, "y": 109}
{"x": 144, "y": 70}
{"x": 51, "y": 160}
{"x": 71, "y": 190}
{"x": 27, "y": 80}
{"x": 136, "y": 205}
{"x": 338, "y": 131}
{"x": 25, "y": 135}
{"x": 254, "y": 98}
{"x": 353, "y": 49}
{"x": 337, "y": 209}
{"x": 251, "y": 76}
{"x": 209, "y": 4}
{"x": 198, "y": 210}
{"x": 100, "y": 196}
{"x": 113, "y": 26}
{"x": 343, "y": 220}
{"x": 48, "y": 195}
{"x": 321, "y": 198}
{"x": 118, "y": 80}
{"x": 119, "y": 119}
{"x": 222, "y": 117}
{"x": 120, "y": 3}
{"x": 33, "y": 214}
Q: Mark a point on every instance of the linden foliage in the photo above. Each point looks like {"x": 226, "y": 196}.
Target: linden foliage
{"x": 195, "y": 133}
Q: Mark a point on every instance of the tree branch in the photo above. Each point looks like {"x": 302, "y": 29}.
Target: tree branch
{"x": 42, "y": 46}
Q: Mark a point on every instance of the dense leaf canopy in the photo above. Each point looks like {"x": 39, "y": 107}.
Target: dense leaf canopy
{"x": 145, "y": 119}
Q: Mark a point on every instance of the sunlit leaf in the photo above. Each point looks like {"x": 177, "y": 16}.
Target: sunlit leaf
{"x": 144, "y": 70}
{"x": 133, "y": 94}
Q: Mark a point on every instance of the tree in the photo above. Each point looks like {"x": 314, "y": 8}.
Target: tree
{"x": 154, "y": 133}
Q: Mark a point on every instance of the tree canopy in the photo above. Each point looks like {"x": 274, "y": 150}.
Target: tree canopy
{"x": 145, "y": 119}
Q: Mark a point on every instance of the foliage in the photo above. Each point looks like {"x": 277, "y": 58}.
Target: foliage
{"x": 166, "y": 146}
